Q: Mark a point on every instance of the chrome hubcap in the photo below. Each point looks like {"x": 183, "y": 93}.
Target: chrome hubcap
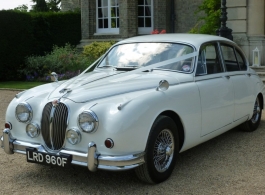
{"x": 163, "y": 150}
{"x": 256, "y": 112}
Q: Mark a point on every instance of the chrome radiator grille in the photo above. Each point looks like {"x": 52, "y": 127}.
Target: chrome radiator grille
{"x": 54, "y": 124}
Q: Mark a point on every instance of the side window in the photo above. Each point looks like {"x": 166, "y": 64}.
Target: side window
{"x": 241, "y": 61}
{"x": 209, "y": 61}
{"x": 230, "y": 59}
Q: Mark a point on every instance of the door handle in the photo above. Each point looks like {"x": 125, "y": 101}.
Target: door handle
{"x": 248, "y": 74}
{"x": 227, "y": 76}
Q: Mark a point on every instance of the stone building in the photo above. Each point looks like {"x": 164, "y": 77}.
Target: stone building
{"x": 246, "y": 19}
{"x": 70, "y": 5}
{"x": 119, "y": 19}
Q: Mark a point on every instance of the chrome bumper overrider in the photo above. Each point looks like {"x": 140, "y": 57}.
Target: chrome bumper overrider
{"x": 92, "y": 159}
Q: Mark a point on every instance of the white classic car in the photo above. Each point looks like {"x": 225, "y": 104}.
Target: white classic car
{"x": 148, "y": 99}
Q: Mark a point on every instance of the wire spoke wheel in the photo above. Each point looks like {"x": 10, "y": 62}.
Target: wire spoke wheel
{"x": 253, "y": 123}
{"x": 163, "y": 150}
{"x": 256, "y": 111}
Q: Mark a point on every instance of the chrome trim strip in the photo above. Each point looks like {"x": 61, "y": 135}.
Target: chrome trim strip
{"x": 51, "y": 126}
{"x": 92, "y": 159}
{"x": 197, "y": 80}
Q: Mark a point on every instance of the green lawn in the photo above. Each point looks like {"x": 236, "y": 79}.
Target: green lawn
{"x": 19, "y": 84}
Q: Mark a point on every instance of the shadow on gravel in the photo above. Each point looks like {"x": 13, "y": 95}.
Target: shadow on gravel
{"x": 218, "y": 164}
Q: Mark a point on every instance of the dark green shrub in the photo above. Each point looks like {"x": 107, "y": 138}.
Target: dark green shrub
{"x": 65, "y": 61}
{"x": 16, "y": 42}
{"x": 97, "y": 49}
{"x": 24, "y": 34}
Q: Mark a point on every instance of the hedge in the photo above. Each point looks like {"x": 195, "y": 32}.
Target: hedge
{"x": 25, "y": 34}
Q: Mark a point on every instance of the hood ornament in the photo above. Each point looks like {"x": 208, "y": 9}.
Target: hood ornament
{"x": 54, "y": 76}
{"x": 55, "y": 103}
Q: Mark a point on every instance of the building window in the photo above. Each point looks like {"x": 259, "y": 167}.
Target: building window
{"x": 145, "y": 16}
{"x": 107, "y": 16}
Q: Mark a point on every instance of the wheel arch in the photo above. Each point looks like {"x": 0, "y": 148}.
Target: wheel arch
{"x": 175, "y": 117}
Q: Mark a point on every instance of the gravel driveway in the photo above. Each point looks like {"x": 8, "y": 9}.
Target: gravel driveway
{"x": 233, "y": 163}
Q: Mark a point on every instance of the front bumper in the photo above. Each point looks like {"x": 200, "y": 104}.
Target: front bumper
{"x": 92, "y": 159}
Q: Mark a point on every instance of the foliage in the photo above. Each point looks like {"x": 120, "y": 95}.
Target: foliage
{"x": 53, "y": 5}
{"x": 210, "y": 22}
{"x": 97, "y": 49}
{"x": 41, "y": 6}
{"x": 66, "y": 61}
{"x": 22, "y": 8}
{"x": 45, "y": 6}
{"x": 31, "y": 33}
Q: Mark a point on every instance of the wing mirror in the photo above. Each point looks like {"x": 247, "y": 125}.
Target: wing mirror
{"x": 163, "y": 85}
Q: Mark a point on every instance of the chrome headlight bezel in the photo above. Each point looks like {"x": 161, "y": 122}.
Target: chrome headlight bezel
{"x": 77, "y": 133}
{"x": 29, "y": 111}
{"x": 93, "y": 119}
{"x": 37, "y": 130}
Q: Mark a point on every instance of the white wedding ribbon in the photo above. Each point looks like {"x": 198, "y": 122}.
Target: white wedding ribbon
{"x": 156, "y": 65}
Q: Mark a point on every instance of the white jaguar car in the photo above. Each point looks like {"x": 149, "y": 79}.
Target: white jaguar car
{"x": 148, "y": 99}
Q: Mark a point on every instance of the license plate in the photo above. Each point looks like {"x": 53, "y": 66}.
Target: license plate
{"x": 62, "y": 160}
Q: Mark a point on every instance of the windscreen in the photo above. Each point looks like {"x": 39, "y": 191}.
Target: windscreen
{"x": 137, "y": 55}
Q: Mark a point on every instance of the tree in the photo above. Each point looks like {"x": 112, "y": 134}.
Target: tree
{"x": 40, "y": 6}
{"x": 22, "y": 8}
{"x": 54, "y": 5}
{"x": 48, "y": 5}
{"x": 210, "y": 21}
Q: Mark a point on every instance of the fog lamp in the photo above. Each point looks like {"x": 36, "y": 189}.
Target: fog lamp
{"x": 73, "y": 136}
{"x": 33, "y": 130}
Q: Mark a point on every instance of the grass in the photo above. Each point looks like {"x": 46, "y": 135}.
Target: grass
{"x": 19, "y": 84}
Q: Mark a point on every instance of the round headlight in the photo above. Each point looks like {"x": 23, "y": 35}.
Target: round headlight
{"x": 88, "y": 121}
{"x": 24, "y": 112}
{"x": 73, "y": 136}
{"x": 33, "y": 130}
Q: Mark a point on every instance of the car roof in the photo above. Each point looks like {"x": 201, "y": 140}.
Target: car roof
{"x": 194, "y": 39}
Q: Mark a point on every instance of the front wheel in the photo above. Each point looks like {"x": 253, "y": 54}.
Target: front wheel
{"x": 253, "y": 123}
{"x": 161, "y": 151}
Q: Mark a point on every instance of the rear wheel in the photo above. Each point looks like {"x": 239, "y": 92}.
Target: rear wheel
{"x": 161, "y": 151}
{"x": 253, "y": 123}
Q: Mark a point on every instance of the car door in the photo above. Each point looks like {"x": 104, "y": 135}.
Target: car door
{"x": 235, "y": 65}
{"x": 216, "y": 90}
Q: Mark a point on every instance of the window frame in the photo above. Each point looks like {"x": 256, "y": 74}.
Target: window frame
{"x": 216, "y": 45}
{"x": 146, "y": 30}
{"x": 108, "y": 30}
{"x": 235, "y": 49}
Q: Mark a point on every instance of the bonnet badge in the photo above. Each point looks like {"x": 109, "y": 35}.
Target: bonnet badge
{"x": 55, "y": 103}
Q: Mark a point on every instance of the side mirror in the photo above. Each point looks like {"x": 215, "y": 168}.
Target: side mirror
{"x": 163, "y": 85}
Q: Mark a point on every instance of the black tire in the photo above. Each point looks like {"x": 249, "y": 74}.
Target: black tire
{"x": 253, "y": 123}
{"x": 162, "y": 145}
